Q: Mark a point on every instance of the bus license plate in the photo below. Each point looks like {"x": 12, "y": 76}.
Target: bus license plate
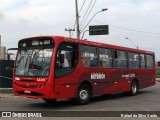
{"x": 27, "y": 91}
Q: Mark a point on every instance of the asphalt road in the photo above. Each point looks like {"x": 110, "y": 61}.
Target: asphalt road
{"x": 146, "y": 100}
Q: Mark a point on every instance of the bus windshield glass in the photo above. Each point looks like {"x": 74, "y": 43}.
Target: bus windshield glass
{"x": 33, "y": 62}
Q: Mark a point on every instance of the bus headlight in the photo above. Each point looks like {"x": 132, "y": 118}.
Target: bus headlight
{"x": 17, "y": 78}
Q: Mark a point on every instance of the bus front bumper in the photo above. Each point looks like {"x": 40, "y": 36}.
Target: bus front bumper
{"x": 46, "y": 92}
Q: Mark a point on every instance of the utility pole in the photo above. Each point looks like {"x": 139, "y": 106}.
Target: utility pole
{"x": 77, "y": 20}
{"x": 69, "y": 30}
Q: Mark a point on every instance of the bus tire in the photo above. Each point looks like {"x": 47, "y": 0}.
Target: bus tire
{"x": 133, "y": 89}
{"x": 50, "y": 100}
{"x": 83, "y": 95}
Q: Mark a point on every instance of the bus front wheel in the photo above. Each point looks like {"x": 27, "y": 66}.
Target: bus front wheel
{"x": 83, "y": 95}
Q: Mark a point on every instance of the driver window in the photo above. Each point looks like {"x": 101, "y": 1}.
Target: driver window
{"x": 66, "y": 59}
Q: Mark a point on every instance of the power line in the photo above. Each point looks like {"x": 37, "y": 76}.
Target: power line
{"x": 82, "y": 5}
{"x": 92, "y": 18}
{"x": 85, "y": 14}
{"x": 134, "y": 30}
{"x": 75, "y": 20}
{"x": 128, "y": 29}
{"x": 88, "y": 14}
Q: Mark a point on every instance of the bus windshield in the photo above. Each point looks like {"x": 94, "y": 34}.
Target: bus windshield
{"x": 33, "y": 62}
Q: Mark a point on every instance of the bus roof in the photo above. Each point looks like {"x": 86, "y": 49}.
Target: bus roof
{"x": 99, "y": 44}
{"x": 91, "y": 43}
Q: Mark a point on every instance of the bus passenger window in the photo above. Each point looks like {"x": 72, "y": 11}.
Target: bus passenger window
{"x": 133, "y": 60}
{"x": 120, "y": 59}
{"x": 93, "y": 57}
{"x": 142, "y": 61}
{"x": 85, "y": 56}
{"x": 150, "y": 61}
{"x": 105, "y": 58}
{"x": 89, "y": 56}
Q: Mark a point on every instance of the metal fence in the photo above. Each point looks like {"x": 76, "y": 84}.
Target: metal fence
{"x": 6, "y": 74}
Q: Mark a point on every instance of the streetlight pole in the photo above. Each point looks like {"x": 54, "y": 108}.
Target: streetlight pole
{"x": 77, "y": 20}
{"x": 84, "y": 33}
{"x": 131, "y": 42}
{"x": 105, "y": 9}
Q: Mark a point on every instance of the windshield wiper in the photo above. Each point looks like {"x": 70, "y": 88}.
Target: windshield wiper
{"x": 31, "y": 61}
{"x": 35, "y": 54}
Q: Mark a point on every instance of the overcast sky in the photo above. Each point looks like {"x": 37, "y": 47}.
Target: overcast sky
{"x": 139, "y": 20}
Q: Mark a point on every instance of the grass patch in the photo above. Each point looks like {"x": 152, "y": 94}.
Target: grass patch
{"x": 6, "y": 91}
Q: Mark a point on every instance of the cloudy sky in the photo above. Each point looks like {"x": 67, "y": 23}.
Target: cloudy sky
{"x": 139, "y": 20}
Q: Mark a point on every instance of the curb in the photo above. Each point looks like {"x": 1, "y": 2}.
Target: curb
{"x": 3, "y": 95}
{"x": 158, "y": 79}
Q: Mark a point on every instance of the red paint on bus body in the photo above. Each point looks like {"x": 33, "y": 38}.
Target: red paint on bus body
{"x": 116, "y": 79}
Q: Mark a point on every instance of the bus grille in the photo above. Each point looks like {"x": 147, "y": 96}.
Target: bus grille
{"x": 30, "y": 85}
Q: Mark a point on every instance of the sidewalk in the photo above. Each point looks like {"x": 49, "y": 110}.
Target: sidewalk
{"x": 6, "y": 92}
{"x": 158, "y": 79}
{"x": 3, "y": 95}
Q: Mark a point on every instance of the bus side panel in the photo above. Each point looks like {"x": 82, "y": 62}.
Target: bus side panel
{"x": 100, "y": 84}
{"x": 144, "y": 77}
{"x": 111, "y": 87}
{"x": 112, "y": 83}
{"x": 121, "y": 81}
{"x": 66, "y": 86}
{"x": 63, "y": 91}
{"x": 147, "y": 78}
{"x": 116, "y": 80}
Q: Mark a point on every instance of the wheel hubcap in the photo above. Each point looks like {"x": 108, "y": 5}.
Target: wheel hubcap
{"x": 83, "y": 94}
{"x": 134, "y": 88}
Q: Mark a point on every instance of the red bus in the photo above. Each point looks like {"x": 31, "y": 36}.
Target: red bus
{"x": 54, "y": 67}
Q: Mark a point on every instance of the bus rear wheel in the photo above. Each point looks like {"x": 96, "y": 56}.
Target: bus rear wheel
{"x": 83, "y": 95}
{"x": 50, "y": 100}
{"x": 133, "y": 88}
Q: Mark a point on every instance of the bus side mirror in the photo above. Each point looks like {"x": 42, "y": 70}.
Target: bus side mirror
{"x": 61, "y": 58}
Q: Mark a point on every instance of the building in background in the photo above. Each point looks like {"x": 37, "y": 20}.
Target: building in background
{"x": 12, "y": 56}
{"x": 2, "y": 53}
